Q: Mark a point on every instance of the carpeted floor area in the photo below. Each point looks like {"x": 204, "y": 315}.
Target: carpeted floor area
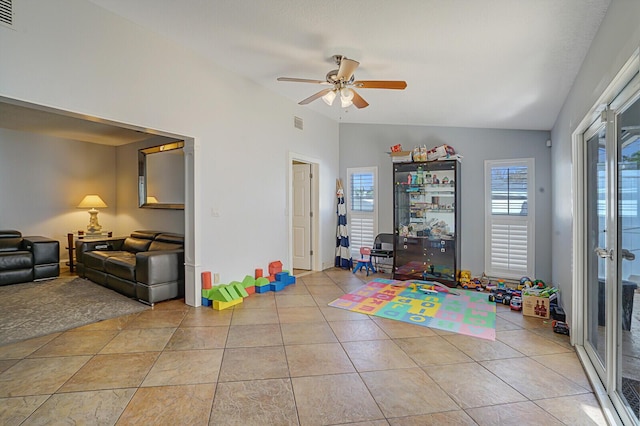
{"x": 35, "y": 309}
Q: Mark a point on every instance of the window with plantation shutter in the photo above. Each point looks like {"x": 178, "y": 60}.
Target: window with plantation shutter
{"x": 362, "y": 202}
{"x": 509, "y": 218}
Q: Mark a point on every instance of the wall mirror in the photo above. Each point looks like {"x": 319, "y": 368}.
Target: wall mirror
{"x": 161, "y": 176}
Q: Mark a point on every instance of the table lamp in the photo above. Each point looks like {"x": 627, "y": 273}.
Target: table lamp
{"x": 92, "y": 202}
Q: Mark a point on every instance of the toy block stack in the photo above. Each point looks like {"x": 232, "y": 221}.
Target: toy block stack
{"x": 224, "y": 296}
{"x": 282, "y": 280}
{"x": 262, "y": 285}
{"x": 249, "y": 284}
{"x": 206, "y": 285}
{"x": 274, "y": 268}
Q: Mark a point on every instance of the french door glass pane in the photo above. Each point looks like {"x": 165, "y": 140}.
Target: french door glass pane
{"x": 628, "y": 139}
{"x": 596, "y": 238}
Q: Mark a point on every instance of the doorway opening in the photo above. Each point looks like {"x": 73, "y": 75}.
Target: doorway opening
{"x": 33, "y": 118}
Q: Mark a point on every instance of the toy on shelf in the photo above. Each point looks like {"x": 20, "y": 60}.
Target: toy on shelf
{"x": 396, "y": 148}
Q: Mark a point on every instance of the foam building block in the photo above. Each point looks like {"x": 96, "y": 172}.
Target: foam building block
{"x": 218, "y": 305}
{"x": 206, "y": 301}
{"x": 276, "y": 286}
{"x": 239, "y": 288}
{"x": 262, "y": 285}
{"x": 262, "y": 281}
{"x": 249, "y": 283}
{"x": 258, "y": 272}
{"x": 233, "y": 293}
{"x": 221, "y": 294}
{"x": 263, "y": 289}
{"x": 285, "y": 278}
{"x": 206, "y": 280}
{"x": 275, "y": 267}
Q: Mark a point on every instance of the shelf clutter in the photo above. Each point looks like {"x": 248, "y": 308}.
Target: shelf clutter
{"x": 421, "y": 154}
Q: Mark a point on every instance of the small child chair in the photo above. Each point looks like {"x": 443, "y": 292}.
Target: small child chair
{"x": 365, "y": 261}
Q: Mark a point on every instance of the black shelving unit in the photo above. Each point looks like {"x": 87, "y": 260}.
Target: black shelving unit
{"x": 426, "y": 219}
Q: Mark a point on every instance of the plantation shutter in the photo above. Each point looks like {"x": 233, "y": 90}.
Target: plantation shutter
{"x": 362, "y": 202}
{"x": 509, "y": 218}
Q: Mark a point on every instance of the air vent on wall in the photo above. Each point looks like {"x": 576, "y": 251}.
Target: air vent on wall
{"x": 6, "y": 12}
{"x": 297, "y": 122}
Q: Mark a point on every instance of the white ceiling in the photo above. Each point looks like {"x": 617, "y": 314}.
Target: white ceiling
{"x": 468, "y": 63}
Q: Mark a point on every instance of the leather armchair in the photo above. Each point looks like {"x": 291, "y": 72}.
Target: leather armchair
{"x": 25, "y": 259}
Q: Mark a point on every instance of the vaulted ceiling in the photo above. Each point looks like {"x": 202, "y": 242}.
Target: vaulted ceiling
{"x": 469, "y": 63}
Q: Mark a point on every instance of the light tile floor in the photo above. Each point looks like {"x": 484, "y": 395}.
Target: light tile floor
{"x": 287, "y": 359}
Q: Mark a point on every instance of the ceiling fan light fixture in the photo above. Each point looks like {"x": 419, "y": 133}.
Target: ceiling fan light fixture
{"x": 346, "y": 97}
{"x": 329, "y": 97}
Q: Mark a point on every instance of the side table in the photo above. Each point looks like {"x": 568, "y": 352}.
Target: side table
{"x": 71, "y": 244}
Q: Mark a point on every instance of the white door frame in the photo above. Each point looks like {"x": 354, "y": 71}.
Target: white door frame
{"x": 316, "y": 258}
{"x": 301, "y": 216}
{"x": 612, "y": 409}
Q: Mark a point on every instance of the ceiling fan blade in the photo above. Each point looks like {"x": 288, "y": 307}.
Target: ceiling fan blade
{"x": 358, "y": 101}
{"x": 347, "y": 68}
{"x": 380, "y": 84}
{"x": 302, "y": 80}
{"x": 314, "y": 97}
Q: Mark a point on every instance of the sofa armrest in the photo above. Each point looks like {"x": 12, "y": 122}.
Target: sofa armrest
{"x": 159, "y": 266}
{"x": 107, "y": 244}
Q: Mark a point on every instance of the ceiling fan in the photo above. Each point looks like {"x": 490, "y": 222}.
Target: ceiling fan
{"x": 343, "y": 82}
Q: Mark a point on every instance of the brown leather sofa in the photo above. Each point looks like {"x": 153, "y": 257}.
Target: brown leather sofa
{"x": 25, "y": 259}
{"x": 147, "y": 265}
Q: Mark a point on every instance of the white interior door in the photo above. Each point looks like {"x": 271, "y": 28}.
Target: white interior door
{"x": 301, "y": 216}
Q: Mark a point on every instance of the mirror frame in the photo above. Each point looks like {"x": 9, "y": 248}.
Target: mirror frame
{"x": 142, "y": 175}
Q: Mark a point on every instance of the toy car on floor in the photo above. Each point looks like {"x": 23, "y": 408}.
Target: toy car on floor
{"x": 473, "y": 284}
{"x": 500, "y": 295}
{"x": 560, "y": 327}
{"x": 516, "y": 303}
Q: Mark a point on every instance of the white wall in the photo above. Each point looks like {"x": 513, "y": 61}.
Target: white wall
{"x": 617, "y": 38}
{"x": 368, "y": 145}
{"x": 75, "y": 56}
{"x": 43, "y": 179}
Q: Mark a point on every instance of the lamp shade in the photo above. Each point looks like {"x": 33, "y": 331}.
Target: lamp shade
{"x": 92, "y": 201}
{"x": 329, "y": 97}
{"x": 346, "y": 97}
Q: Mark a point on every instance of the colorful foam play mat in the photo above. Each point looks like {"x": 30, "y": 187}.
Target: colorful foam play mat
{"x": 424, "y": 303}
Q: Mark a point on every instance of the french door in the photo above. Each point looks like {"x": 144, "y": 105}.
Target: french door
{"x": 612, "y": 242}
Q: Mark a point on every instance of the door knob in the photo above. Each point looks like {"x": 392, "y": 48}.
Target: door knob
{"x": 627, "y": 255}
